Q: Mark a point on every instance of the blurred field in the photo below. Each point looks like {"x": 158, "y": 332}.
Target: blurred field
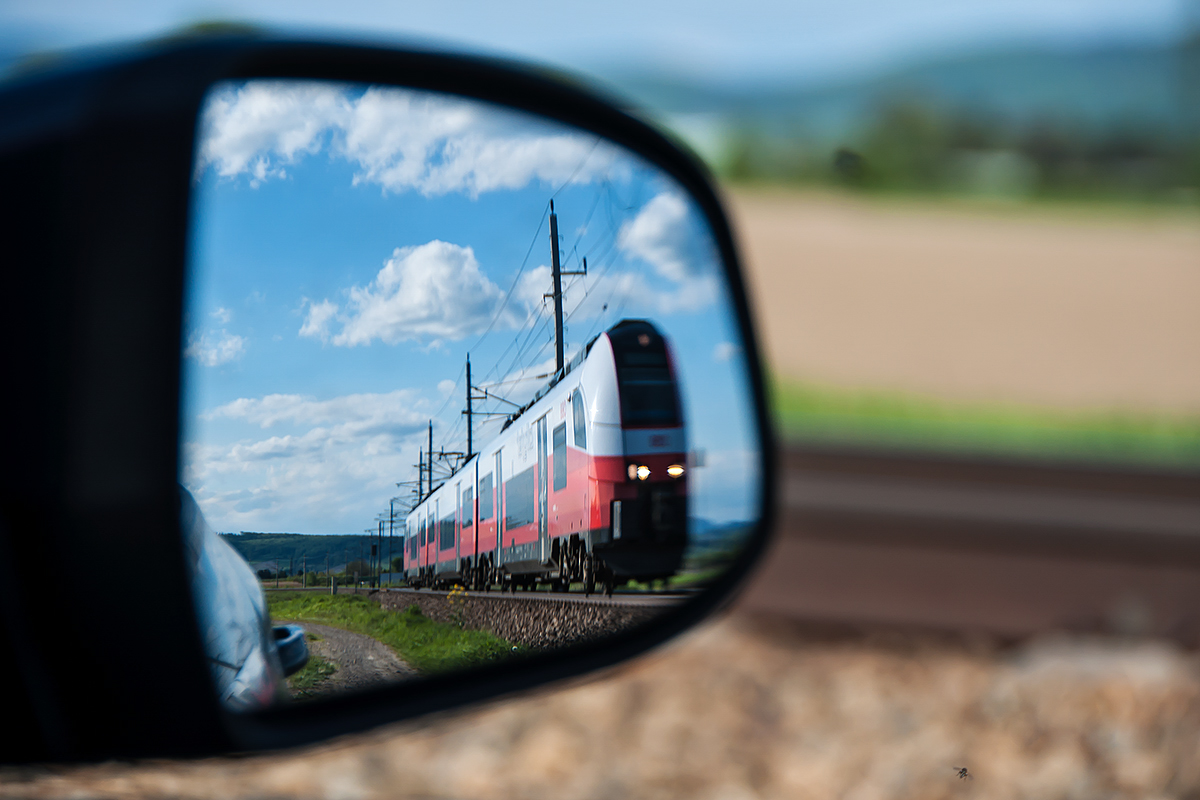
{"x": 1053, "y": 306}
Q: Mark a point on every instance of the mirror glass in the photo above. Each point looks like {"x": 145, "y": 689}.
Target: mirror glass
{"x": 461, "y": 384}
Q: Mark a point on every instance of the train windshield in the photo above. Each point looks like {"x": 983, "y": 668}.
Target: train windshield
{"x": 647, "y": 385}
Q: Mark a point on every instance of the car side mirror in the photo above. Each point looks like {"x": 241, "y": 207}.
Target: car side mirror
{"x": 250, "y": 271}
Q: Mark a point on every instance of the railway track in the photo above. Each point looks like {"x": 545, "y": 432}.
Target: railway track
{"x": 1002, "y": 546}
{"x": 619, "y": 598}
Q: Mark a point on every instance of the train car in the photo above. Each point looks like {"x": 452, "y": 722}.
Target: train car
{"x": 586, "y": 484}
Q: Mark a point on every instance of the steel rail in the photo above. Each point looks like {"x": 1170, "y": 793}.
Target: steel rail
{"x": 618, "y": 599}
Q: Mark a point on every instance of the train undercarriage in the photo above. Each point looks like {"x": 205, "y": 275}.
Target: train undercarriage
{"x": 572, "y": 563}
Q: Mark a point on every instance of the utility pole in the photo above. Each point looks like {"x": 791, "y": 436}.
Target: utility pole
{"x": 469, "y": 443}
{"x": 557, "y": 273}
{"x": 430, "y": 457}
{"x": 304, "y": 571}
{"x": 420, "y": 475}
{"x": 391, "y": 530}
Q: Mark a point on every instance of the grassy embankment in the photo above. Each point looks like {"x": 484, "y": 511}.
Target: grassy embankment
{"x": 813, "y": 413}
{"x": 426, "y": 645}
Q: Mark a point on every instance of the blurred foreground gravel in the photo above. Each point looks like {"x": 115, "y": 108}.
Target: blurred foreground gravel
{"x": 754, "y": 707}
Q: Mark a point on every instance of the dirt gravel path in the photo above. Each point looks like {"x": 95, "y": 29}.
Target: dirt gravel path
{"x": 362, "y": 662}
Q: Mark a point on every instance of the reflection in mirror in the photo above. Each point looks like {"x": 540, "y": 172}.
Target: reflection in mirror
{"x": 461, "y": 384}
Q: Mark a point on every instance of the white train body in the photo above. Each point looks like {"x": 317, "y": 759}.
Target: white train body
{"x": 588, "y": 483}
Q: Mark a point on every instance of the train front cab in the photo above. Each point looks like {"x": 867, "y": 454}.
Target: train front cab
{"x": 646, "y": 531}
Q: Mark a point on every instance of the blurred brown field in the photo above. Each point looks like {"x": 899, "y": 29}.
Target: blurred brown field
{"x": 1060, "y": 307}
{"x": 1073, "y": 307}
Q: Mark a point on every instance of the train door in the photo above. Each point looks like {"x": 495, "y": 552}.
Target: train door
{"x": 458, "y": 501}
{"x": 497, "y": 506}
{"x": 542, "y": 495}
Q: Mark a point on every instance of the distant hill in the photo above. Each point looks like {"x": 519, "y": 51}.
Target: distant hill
{"x": 286, "y": 548}
{"x": 1105, "y": 88}
{"x": 290, "y": 548}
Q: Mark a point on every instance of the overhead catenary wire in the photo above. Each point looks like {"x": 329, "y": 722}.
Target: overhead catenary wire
{"x": 526, "y": 348}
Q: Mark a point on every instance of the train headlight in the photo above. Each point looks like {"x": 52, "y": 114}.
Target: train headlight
{"x": 675, "y": 470}
{"x": 643, "y": 472}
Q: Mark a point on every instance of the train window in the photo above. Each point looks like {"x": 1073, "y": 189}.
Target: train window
{"x": 560, "y": 457}
{"x": 468, "y": 515}
{"x": 580, "y": 420}
{"x": 648, "y": 396}
{"x": 649, "y": 400}
{"x": 485, "y": 497}
{"x": 422, "y": 532}
{"x": 447, "y": 533}
{"x": 518, "y": 499}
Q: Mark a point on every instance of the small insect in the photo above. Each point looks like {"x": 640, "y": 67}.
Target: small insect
{"x": 963, "y": 775}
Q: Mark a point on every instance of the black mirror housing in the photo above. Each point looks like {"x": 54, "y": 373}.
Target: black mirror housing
{"x": 96, "y": 620}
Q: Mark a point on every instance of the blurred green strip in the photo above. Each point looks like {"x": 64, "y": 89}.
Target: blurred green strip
{"x": 808, "y": 412}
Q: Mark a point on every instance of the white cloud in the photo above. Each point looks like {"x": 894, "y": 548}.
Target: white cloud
{"x": 678, "y": 248}
{"x": 435, "y": 290}
{"x": 661, "y": 235}
{"x": 335, "y": 459}
{"x": 316, "y": 321}
{"x": 724, "y": 351}
{"x": 223, "y": 315}
{"x": 353, "y": 413}
{"x": 213, "y": 350}
{"x": 446, "y": 386}
{"x": 259, "y": 125}
{"x": 398, "y": 139}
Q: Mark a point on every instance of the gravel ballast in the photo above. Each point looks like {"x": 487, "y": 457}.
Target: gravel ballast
{"x": 540, "y": 624}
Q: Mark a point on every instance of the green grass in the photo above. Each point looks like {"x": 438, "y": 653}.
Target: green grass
{"x": 428, "y": 646}
{"x": 813, "y": 413}
{"x": 303, "y": 683}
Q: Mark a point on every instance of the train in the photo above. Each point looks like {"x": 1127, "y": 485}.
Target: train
{"x": 586, "y": 484}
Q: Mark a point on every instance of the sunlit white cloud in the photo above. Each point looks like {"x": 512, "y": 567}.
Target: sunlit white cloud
{"x": 432, "y": 291}
{"x": 214, "y": 349}
{"x": 356, "y": 413}
{"x": 223, "y": 315}
{"x": 257, "y": 127}
{"x": 666, "y": 235}
{"x": 397, "y": 139}
{"x": 335, "y": 457}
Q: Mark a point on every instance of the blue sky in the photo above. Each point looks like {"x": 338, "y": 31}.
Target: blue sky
{"x": 351, "y": 245}
{"x": 714, "y": 40}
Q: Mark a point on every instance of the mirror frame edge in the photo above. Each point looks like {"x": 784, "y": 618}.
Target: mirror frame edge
{"x": 135, "y": 91}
